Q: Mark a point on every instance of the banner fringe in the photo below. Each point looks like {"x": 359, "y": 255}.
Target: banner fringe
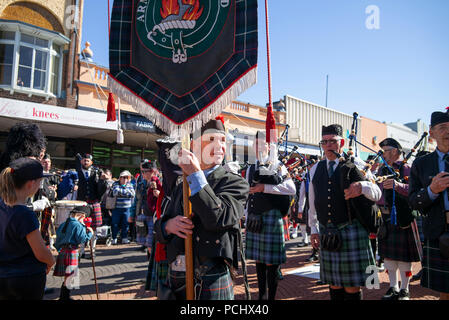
{"x": 174, "y": 130}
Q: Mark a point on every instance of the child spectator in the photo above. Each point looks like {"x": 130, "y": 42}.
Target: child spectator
{"x": 69, "y": 236}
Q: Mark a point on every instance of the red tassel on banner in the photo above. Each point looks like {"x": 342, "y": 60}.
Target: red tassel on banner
{"x": 111, "y": 109}
{"x": 270, "y": 126}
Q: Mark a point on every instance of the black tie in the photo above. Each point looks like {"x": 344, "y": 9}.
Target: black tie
{"x": 446, "y": 167}
{"x": 330, "y": 170}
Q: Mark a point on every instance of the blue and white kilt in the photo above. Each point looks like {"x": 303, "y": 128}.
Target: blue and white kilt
{"x": 268, "y": 246}
{"x": 435, "y": 274}
{"x": 348, "y": 267}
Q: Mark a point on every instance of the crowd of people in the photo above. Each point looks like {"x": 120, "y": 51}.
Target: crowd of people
{"x": 352, "y": 214}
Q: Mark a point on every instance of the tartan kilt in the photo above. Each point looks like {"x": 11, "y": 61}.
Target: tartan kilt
{"x": 348, "y": 267}
{"x": 45, "y": 223}
{"x": 435, "y": 274}
{"x": 97, "y": 218}
{"x": 268, "y": 246}
{"x": 399, "y": 245}
{"x": 217, "y": 284}
{"x": 67, "y": 257}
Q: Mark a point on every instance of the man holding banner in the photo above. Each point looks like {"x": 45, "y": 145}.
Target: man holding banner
{"x": 218, "y": 198}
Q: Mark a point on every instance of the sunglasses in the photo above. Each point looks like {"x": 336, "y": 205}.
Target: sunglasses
{"x": 332, "y": 141}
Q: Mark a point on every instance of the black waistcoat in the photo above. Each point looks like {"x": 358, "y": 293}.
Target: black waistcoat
{"x": 330, "y": 203}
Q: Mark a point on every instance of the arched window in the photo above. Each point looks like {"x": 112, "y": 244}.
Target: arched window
{"x": 31, "y": 59}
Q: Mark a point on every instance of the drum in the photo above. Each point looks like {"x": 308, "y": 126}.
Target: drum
{"x": 63, "y": 208}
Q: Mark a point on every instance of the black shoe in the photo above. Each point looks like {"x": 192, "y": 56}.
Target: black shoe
{"x": 302, "y": 244}
{"x": 312, "y": 258}
{"x": 404, "y": 295}
{"x": 280, "y": 276}
{"x": 49, "y": 290}
{"x": 417, "y": 276}
{"x": 83, "y": 256}
{"x": 391, "y": 294}
{"x": 319, "y": 283}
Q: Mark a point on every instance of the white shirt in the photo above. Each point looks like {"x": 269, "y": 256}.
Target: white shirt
{"x": 88, "y": 171}
{"x": 287, "y": 187}
{"x": 369, "y": 189}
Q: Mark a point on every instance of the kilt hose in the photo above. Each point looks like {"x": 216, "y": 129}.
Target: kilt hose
{"x": 217, "y": 284}
{"x": 435, "y": 274}
{"x": 348, "y": 266}
{"x": 399, "y": 245}
{"x": 66, "y": 262}
{"x": 45, "y": 224}
{"x": 268, "y": 246}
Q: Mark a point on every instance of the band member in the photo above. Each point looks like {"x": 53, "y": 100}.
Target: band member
{"x": 303, "y": 209}
{"x": 397, "y": 245}
{"x": 89, "y": 191}
{"x": 345, "y": 250}
{"x": 265, "y": 238}
{"x": 217, "y": 198}
{"x": 428, "y": 194}
{"x": 48, "y": 190}
{"x": 70, "y": 235}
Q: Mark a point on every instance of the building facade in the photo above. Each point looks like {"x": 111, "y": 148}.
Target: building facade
{"x": 306, "y": 120}
{"x": 39, "y": 52}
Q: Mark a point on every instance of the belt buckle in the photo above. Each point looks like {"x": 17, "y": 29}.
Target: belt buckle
{"x": 179, "y": 264}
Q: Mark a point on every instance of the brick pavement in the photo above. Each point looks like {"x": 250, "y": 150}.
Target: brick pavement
{"x": 121, "y": 271}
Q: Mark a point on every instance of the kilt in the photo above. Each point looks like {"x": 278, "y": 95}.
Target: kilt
{"x": 268, "y": 246}
{"x": 217, "y": 284}
{"x": 347, "y": 267}
{"x": 45, "y": 223}
{"x": 435, "y": 274}
{"x": 97, "y": 218}
{"x": 66, "y": 262}
{"x": 399, "y": 245}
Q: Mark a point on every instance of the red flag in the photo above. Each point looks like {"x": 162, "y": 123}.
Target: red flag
{"x": 111, "y": 109}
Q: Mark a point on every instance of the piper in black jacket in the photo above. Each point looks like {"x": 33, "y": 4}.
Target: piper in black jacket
{"x": 218, "y": 198}
{"x": 428, "y": 193}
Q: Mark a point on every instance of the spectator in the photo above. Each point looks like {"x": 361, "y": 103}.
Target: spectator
{"x": 24, "y": 258}
{"x": 106, "y": 183}
{"x": 125, "y": 194}
{"x": 68, "y": 185}
{"x": 24, "y": 140}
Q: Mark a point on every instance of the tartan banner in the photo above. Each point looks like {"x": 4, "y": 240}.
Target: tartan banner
{"x": 181, "y": 62}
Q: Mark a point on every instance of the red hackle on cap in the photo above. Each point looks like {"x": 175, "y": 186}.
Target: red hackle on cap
{"x": 221, "y": 118}
{"x": 111, "y": 109}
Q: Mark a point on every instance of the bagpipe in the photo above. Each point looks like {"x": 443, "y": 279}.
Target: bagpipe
{"x": 363, "y": 209}
{"x": 396, "y": 174}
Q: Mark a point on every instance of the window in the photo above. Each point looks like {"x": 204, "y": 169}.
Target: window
{"x": 30, "y": 59}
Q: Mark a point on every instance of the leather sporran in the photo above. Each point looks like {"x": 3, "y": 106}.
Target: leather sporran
{"x": 330, "y": 239}
{"x": 254, "y": 223}
{"x": 382, "y": 232}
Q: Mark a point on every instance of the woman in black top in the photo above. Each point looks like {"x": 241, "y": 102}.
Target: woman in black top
{"x": 24, "y": 258}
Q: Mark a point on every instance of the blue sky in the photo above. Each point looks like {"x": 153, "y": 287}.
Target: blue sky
{"x": 397, "y": 73}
